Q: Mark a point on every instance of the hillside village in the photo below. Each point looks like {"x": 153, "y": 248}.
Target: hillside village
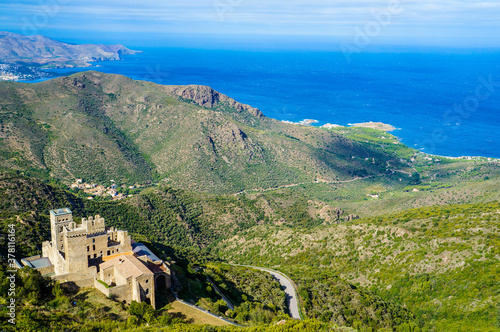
{"x": 113, "y": 191}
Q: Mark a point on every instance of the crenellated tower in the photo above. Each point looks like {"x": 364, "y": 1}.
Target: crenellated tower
{"x": 60, "y": 219}
{"x": 75, "y": 248}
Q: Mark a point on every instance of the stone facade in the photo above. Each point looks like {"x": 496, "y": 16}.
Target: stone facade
{"x": 129, "y": 271}
{"x": 91, "y": 254}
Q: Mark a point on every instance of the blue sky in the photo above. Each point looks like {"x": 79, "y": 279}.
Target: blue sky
{"x": 428, "y": 22}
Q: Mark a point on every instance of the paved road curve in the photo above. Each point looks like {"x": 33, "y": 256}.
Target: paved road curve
{"x": 204, "y": 311}
{"x": 287, "y": 284}
{"x": 229, "y": 304}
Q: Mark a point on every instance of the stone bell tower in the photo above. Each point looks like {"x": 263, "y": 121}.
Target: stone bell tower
{"x": 59, "y": 220}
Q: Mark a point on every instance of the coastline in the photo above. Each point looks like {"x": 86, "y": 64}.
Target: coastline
{"x": 305, "y": 122}
{"x": 374, "y": 125}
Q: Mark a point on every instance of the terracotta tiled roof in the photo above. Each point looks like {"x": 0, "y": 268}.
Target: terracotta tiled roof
{"x": 127, "y": 266}
{"x": 108, "y": 258}
{"x": 154, "y": 268}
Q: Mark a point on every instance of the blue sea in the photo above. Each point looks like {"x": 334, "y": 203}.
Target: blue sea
{"x": 441, "y": 102}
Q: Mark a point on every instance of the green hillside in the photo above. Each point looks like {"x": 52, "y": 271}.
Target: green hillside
{"x": 176, "y": 218}
{"x": 427, "y": 269}
{"x": 101, "y": 127}
{"x": 377, "y": 236}
{"x": 441, "y": 262}
{"x": 185, "y": 226}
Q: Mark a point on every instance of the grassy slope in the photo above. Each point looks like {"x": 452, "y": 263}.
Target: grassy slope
{"x": 437, "y": 251}
{"x": 441, "y": 262}
{"x": 102, "y": 127}
{"x": 460, "y": 182}
{"x": 61, "y": 130}
{"x": 194, "y": 316}
{"x": 187, "y": 219}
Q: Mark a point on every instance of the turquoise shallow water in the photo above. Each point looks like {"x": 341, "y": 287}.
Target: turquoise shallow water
{"x": 442, "y": 103}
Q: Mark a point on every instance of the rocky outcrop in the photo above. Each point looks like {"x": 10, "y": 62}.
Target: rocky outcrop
{"x": 324, "y": 211}
{"x": 329, "y": 214}
{"x": 352, "y": 217}
{"x": 230, "y": 143}
{"x": 207, "y": 97}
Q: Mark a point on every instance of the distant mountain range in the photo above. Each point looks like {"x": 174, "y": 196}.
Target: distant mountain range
{"x": 48, "y": 53}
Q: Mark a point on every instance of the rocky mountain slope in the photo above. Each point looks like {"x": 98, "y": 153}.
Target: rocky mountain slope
{"x": 43, "y": 51}
{"x": 102, "y": 127}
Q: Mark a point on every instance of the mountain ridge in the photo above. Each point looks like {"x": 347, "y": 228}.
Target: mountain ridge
{"x": 100, "y": 127}
{"x": 46, "y": 52}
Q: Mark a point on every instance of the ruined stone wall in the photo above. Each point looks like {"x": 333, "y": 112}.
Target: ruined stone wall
{"x": 120, "y": 293}
{"x": 57, "y": 260}
{"x": 124, "y": 239}
{"x": 108, "y": 275}
{"x": 94, "y": 225}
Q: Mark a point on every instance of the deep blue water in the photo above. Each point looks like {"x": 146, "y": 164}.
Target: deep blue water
{"x": 415, "y": 92}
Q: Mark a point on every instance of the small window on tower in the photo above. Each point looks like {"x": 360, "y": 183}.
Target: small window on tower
{"x": 88, "y": 248}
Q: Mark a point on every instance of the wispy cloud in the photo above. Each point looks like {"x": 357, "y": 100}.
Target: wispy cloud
{"x": 313, "y": 17}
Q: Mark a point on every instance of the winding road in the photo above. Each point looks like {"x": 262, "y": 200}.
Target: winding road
{"x": 246, "y": 191}
{"x": 292, "y": 300}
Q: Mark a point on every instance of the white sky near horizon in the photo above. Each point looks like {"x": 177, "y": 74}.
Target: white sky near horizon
{"x": 461, "y": 23}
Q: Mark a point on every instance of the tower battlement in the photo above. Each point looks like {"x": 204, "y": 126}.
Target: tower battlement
{"x": 85, "y": 252}
{"x": 82, "y": 245}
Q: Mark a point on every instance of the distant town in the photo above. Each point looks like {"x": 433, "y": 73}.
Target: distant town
{"x": 114, "y": 191}
{"x": 14, "y": 72}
